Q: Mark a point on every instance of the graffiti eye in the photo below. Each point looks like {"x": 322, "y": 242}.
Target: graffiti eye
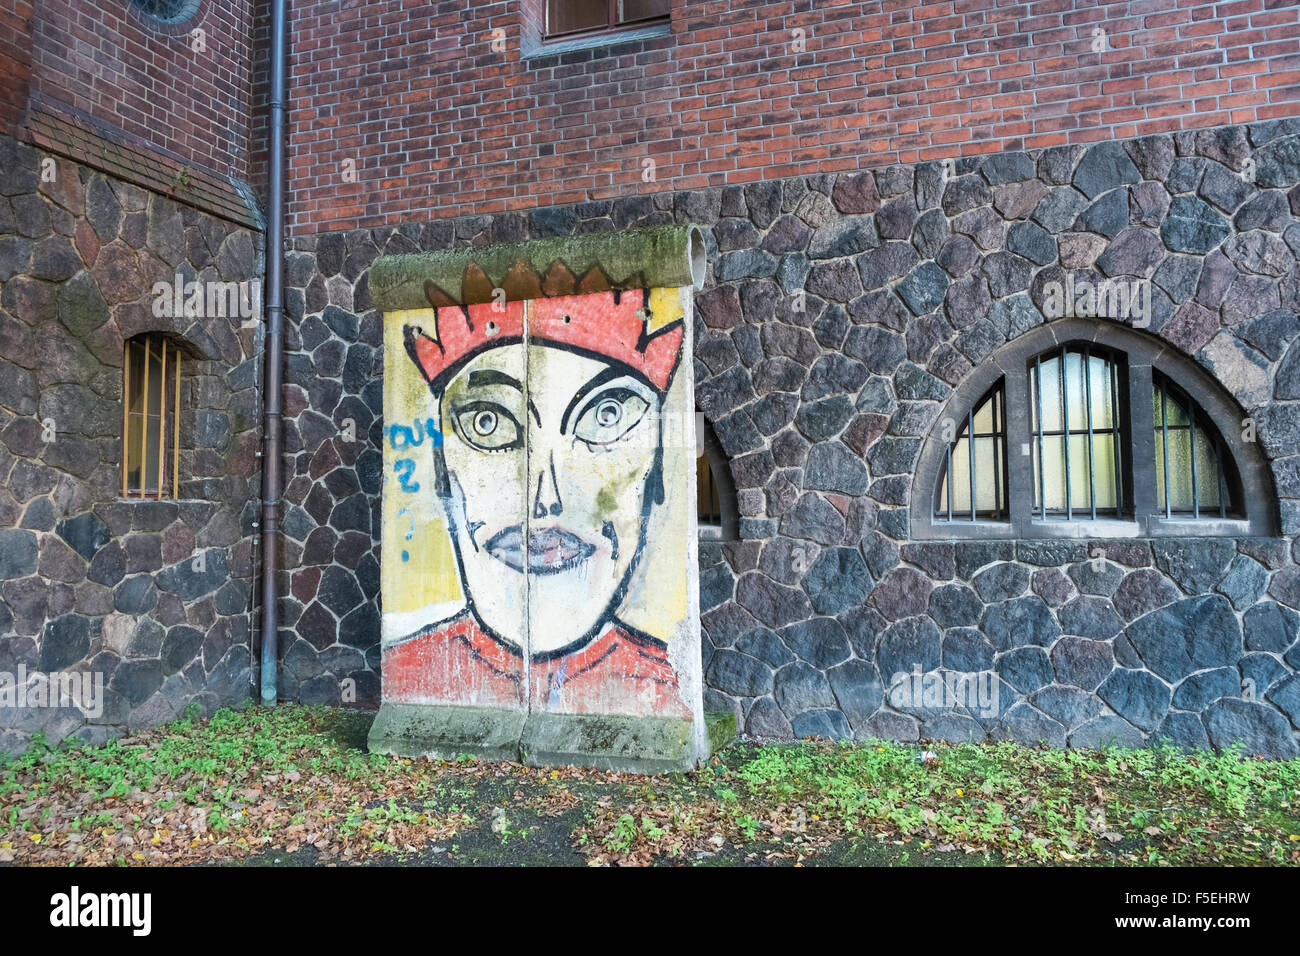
{"x": 610, "y": 416}
{"x": 487, "y": 426}
{"x": 608, "y": 413}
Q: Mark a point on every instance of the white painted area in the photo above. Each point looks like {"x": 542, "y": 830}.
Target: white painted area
{"x": 398, "y": 625}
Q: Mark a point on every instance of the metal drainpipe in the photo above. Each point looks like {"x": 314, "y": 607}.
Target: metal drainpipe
{"x": 274, "y": 354}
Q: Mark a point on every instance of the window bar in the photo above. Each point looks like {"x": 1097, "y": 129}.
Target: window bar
{"x": 1218, "y": 474}
{"x": 176, "y": 428}
{"x": 162, "y": 407}
{"x": 126, "y": 412}
{"x": 1164, "y": 431}
{"x": 1065, "y": 426}
{"x": 1191, "y": 434}
{"x": 970, "y": 454}
{"x": 1114, "y": 437}
{"x": 997, "y": 446}
{"x": 948, "y": 480}
{"x": 1092, "y": 467}
{"x": 144, "y": 421}
{"x": 1042, "y": 481}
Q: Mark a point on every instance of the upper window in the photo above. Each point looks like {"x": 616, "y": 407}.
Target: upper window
{"x": 1080, "y": 429}
{"x": 573, "y": 17}
{"x": 151, "y": 385}
{"x": 168, "y": 11}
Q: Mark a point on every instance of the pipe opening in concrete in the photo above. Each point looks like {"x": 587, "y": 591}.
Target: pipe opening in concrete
{"x": 699, "y": 261}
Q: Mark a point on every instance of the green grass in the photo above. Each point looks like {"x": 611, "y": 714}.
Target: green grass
{"x": 253, "y": 779}
{"x": 240, "y": 780}
{"x": 1153, "y": 805}
{"x": 215, "y": 753}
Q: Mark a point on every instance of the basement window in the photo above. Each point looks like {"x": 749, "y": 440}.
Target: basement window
{"x": 151, "y": 386}
{"x": 1080, "y": 429}
{"x": 715, "y": 492}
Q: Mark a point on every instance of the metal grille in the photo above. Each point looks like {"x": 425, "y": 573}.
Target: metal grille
{"x": 1191, "y": 478}
{"x": 151, "y": 390}
{"x": 1075, "y": 425}
{"x": 976, "y": 462}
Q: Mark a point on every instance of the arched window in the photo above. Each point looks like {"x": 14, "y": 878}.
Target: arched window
{"x": 976, "y": 458}
{"x": 714, "y": 490}
{"x": 1075, "y": 433}
{"x": 1193, "y": 476}
{"x": 151, "y": 390}
{"x": 1080, "y": 428}
{"x": 167, "y": 11}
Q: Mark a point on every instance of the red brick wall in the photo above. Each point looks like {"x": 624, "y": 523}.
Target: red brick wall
{"x": 438, "y": 124}
{"x": 15, "y": 61}
{"x": 107, "y": 60}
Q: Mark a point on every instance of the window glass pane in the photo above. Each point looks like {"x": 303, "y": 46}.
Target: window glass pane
{"x": 1180, "y": 469}
{"x": 566, "y": 16}
{"x": 1204, "y": 499}
{"x": 135, "y": 358}
{"x": 1103, "y": 450}
{"x": 1078, "y": 391}
{"x": 708, "y": 507}
{"x": 154, "y": 414}
{"x": 151, "y": 457}
{"x": 1092, "y": 475}
{"x": 155, "y": 382}
{"x": 132, "y": 456}
{"x": 986, "y": 489}
{"x": 1099, "y": 374}
{"x": 988, "y": 442}
{"x": 632, "y": 10}
{"x": 150, "y": 416}
{"x": 1175, "y": 411}
{"x": 1053, "y": 473}
{"x": 1077, "y": 475}
{"x": 1207, "y": 478}
{"x": 960, "y": 478}
{"x": 1049, "y": 397}
{"x": 1074, "y": 392}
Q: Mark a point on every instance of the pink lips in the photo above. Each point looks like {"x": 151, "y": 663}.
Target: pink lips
{"x": 550, "y": 550}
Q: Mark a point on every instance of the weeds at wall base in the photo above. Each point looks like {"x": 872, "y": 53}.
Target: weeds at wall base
{"x": 296, "y": 785}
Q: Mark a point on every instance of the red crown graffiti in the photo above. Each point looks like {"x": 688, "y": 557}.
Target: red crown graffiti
{"x": 612, "y": 325}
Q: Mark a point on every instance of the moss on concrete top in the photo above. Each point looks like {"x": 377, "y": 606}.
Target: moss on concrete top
{"x": 658, "y": 257}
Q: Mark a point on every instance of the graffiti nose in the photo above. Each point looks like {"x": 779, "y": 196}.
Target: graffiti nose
{"x": 546, "y": 500}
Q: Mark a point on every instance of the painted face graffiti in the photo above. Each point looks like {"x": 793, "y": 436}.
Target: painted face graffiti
{"x": 549, "y": 471}
{"x": 579, "y": 525}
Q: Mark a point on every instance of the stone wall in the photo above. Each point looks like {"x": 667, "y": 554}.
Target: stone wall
{"x": 90, "y": 582}
{"x": 912, "y": 276}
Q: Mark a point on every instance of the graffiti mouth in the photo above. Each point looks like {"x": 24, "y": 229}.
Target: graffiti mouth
{"x": 550, "y": 550}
